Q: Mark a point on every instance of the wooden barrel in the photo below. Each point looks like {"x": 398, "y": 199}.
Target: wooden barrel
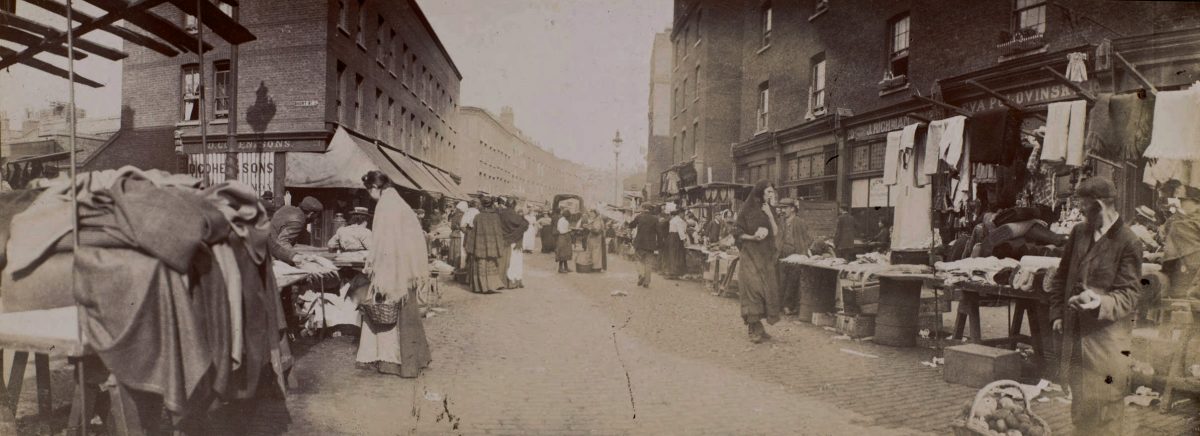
{"x": 899, "y": 302}
{"x": 818, "y": 288}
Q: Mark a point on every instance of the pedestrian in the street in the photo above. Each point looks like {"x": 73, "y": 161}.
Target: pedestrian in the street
{"x": 564, "y": 245}
{"x": 397, "y": 267}
{"x": 528, "y": 240}
{"x": 486, "y": 248}
{"x": 793, "y": 239}
{"x": 676, "y": 251}
{"x": 1181, "y": 248}
{"x": 547, "y": 232}
{"x": 458, "y": 259}
{"x": 287, "y": 228}
{"x": 514, "y": 225}
{"x": 843, "y": 236}
{"x": 595, "y": 240}
{"x": 1093, "y": 294}
{"x": 757, "y": 280}
{"x": 645, "y": 243}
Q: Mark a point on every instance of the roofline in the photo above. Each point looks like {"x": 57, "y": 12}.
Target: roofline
{"x": 436, "y": 40}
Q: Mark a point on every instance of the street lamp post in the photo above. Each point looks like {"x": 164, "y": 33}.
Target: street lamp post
{"x": 617, "y": 168}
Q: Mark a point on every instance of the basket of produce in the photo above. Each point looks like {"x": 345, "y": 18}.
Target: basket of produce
{"x": 1000, "y": 409}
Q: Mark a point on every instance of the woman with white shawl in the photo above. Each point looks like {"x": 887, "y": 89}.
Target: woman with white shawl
{"x": 397, "y": 266}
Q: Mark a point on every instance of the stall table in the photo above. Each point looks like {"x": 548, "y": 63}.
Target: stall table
{"x": 43, "y": 333}
{"x": 818, "y": 286}
{"x": 1034, "y": 305}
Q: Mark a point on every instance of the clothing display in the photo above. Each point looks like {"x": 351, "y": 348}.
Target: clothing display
{"x": 1176, "y": 125}
{"x": 1119, "y": 125}
{"x": 1064, "y": 138}
{"x": 914, "y": 204}
{"x": 995, "y": 137}
{"x": 950, "y": 142}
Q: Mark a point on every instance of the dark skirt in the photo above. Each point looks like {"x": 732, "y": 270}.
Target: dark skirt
{"x": 676, "y": 257}
{"x": 549, "y": 239}
{"x": 563, "y": 250}
{"x": 485, "y": 274}
{"x": 758, "y": 282}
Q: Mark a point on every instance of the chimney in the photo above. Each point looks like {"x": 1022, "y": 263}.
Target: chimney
{"x": 506, "y": 116}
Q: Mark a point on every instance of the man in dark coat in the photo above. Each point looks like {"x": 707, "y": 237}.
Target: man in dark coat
{"x": 843, "y": 236}
{"x": 645, "y": 243}
{"x": 793, "y": 239}
{"x": 287, "y": 227}
{"x": 1093, "y": 295}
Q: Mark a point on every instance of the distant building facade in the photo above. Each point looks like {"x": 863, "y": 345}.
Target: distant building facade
{"x": 659, "y": 155}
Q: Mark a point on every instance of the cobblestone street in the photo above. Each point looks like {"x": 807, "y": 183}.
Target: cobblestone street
{"x": 563, "y": 356}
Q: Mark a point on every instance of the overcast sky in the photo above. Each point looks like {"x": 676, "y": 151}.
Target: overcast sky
{"x": 574, "y": 71}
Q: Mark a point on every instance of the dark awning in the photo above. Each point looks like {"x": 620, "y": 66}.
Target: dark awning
{"x": 342, "y": 165}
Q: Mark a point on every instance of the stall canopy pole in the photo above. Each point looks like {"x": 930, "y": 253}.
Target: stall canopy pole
{"x": 203, "y": 97}
{"x": 79, "y": 316}
{"x": 1091, "y": 99}
{"x": 964, "y": 112}
{"x": 1136, "y": 74}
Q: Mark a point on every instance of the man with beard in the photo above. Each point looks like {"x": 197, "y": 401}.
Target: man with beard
{"x": 1093, "y": 295}
{"x": 485, "y": 248}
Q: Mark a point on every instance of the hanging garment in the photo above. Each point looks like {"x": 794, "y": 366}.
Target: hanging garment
{"x": 891, "y": 157}
{"x": 1077, "y": 67}
{"x": 961, "y": 193}
{"x": 913, "y": 211}
{"x": 1176, "y": 125}
{"x": 1065, "y": 133}
{"x": 1119, "y": 126}
{"x": 950, "y": 142}
{"x": 995, "y": 136}
{"x": 1164, "y": 170}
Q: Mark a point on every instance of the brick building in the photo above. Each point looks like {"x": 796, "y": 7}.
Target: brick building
{"x": 659, "y": 155}
{"x": 375, "y": 69}
{"x": 498, "y": 158}
{"x": 821, "y": 83}
{"x": 705, "y": 81}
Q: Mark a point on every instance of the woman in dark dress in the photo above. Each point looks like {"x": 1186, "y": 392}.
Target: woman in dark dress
{"x": 548, "y": 234}
{"x": 565, "y": 247}
{"x": 757, "y": 279}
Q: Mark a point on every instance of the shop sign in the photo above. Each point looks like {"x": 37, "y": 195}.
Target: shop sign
{"x": 1025, "y": 97}
{"x": 254, "y": 169}
{"x": 251, "y": 145}
{"x": 880, "y": 194}
{"x": 879, "y": 127}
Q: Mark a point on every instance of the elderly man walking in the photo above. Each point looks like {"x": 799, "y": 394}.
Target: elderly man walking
{"x": 1093, "y": 295}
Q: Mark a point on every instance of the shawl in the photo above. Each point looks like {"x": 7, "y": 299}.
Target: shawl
{"x": 486, "y": 238}
{"x": 1183, "y": 237}
{"x": 512, "y": 224}
{"x": 399, "y": 260}
{"x": 751, "y": 217}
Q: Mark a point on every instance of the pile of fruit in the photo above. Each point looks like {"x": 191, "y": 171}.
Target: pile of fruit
{"x": 1000, "y": 411}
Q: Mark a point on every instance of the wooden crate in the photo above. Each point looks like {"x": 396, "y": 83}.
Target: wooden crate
{"x": 821, "y": 319}
{"x": 856, "y": 326}
{"x": 977, "y": 365}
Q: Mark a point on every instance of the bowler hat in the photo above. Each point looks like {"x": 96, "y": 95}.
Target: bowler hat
{"x": 1096, "y": 187}
{"x": 310, "y": 204}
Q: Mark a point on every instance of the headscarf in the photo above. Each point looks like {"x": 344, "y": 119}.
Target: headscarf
{"x": 399, "y": 261}
{"x": 751, "y": 216}
{"x": 461, "y": 206}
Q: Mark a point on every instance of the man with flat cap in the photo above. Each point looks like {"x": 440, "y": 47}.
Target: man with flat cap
{"x": 287, "y": 227}
{"x": 1093, "y": 295}
{"x": 793, "y": 239}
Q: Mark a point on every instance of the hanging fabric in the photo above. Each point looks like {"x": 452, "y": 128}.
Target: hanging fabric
{"x": 914, "y": 204}
{"x": 1176, "y": 133}
{"x": 1119, "y": 126}
{"x": 1077, "y": 67}
{"x": 891, "y": 158}
{"x": 996, "y": 136}
{"x": 1065, "y": 133}
{"x": 945, "y": 139}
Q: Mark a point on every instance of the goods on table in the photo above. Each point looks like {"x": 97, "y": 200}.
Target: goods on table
{"x": 873, "y": 257}
{"x": 1000, "y": 409}
{"x": 976, "y": 269}
{"x": 801, "y": 259}
{"x": 352, "y": 256}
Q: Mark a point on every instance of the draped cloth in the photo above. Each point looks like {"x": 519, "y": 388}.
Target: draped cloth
{"x": 486, "y": 249}
{"x": 400, "y": 259}
{"x": 757, "y": 276}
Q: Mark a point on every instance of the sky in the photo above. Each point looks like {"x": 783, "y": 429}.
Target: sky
{"x": 574, "y": 71}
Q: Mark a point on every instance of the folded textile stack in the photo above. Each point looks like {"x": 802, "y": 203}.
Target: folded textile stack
{"x": 873, "y": 257}
{"x": 800, "y": 259}
{"x": 176, "y": 286}
{"x": 990, "y": 270}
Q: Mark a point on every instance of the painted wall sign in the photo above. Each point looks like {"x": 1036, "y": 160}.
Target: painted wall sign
{"x": 1024, "y": 97}
{"x": 249, "y": 145}
{"x": 881, "y": 126}
{"x": 306, "y": 103}
{"x": 254, "y": 169}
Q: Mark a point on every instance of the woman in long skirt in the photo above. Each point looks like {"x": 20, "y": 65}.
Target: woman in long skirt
{"x": 397, "y": 266}
{"x": 528, "y": 239}
{"x": 564, "y": 246}
{"x": 757, "y": 280}
{"x": 548, "y": 234}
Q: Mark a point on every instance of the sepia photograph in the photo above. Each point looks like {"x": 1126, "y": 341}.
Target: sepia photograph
{"x": 599, "y": 217}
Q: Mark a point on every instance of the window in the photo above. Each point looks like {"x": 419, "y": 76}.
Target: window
{"x": 898, "y": 62}
{"x": 682, "y": 145}
{"x": 764, "y": 106}
{"x": 695, "y": 137}
{"x": 190, "y": 92}
{"x": 360, "y": 37}
{"x": 766, "y": 23}
{"x": 804, "y": 167}
{"x": 878, "y": 152}
{"x": 390, "y": 131}
{"x": 675, "y": 100}
{"x": 221, "y": 89}
{"x": 684, "y": 92}
{"x": 816, "y": 102}
{"x": 818, "y": 165}
{"x": 1030, "y": 17}
{"x": 380, "y": 46}
{"x": 696, "y": 84}
{"x": 391, "y": 52}
{"x": 378, "y": 113}
{"x": 675, "y": 148}
{"x": 699, "y": 15}
{"x": 683, "y": 38}
{"x": 339, "y": 90}
{"x": 343, "y": 16}
{"x": 358, "y": 99}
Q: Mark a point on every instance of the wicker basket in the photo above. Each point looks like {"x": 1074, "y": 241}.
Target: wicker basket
{"x": 960, "y": 424}
{"x": 381, "y": 314}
